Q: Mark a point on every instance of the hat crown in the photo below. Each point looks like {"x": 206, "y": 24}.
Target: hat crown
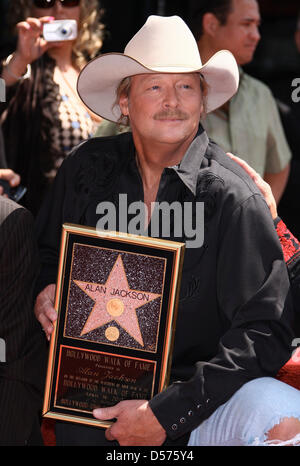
{"x": 165, "y": 43}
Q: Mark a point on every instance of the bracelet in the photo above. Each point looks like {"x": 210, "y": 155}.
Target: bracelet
{"x": 18, "y": 78}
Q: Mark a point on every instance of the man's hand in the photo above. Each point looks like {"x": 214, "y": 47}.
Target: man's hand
{"x": 44, "y": 309}
{"x": 262, "y": 185}
{"x": 135, "y": 425}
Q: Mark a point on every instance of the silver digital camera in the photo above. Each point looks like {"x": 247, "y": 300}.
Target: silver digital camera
{"x": 65, "y": 29}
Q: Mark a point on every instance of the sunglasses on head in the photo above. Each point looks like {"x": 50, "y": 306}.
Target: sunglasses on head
{"x": 51, "y": 3}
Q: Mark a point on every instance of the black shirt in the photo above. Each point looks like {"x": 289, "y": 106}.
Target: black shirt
{"x": 235, "y": 314}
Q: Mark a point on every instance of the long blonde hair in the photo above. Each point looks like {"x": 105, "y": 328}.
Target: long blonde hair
{"x": 90, "y": 31}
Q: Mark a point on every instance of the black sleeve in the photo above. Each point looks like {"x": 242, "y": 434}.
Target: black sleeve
{"x": 25, "y": 349}
{"x": 19, "y": 269}
{"x": 254, "y": 298}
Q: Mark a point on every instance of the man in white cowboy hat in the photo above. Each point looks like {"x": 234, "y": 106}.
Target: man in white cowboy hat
{"x": 235, "y": 316}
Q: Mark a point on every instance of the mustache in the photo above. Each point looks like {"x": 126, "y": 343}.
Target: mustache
{"x": 167, "y": 114}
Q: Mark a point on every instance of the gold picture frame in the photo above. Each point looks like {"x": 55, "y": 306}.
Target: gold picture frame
{"x": 116, "y": 299}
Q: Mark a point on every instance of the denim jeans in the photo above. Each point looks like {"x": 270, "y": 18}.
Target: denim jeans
{"x": 249, "y": 414}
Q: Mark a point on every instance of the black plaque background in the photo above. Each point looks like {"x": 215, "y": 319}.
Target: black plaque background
{"x": 93, "y": 390}
{"x": 62, "y": 340}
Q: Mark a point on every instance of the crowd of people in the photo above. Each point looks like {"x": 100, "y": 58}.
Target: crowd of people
{"x": 173, "y": 119}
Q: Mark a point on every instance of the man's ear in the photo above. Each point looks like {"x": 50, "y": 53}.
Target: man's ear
{"x": 210, "y": 24}
{"x": 123, "y": 104}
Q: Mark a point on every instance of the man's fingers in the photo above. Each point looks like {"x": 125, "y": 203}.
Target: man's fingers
{"x": 47, "y": 326}
{"x": 46, "y": 317}
{"x": 44, "y": 309}
{"x": 135, "y": 423}
{"x": 106, "y": 414}
{"x": 109, "y": 436}
{"x": 49, "y": 312}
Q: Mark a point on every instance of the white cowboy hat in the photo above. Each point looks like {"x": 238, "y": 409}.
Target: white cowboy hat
{"x": 162, "y": 45}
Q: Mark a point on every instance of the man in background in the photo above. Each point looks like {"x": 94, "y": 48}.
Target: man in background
{"x": 22, "y": 343}
{"x": 249, "y": 124}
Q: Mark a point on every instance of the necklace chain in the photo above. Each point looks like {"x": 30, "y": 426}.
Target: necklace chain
{"x": 74, "y": 92}
{"x": 69, "y": 85}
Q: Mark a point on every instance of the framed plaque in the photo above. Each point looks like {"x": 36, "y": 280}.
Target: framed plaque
{"x": 116, "y": 298}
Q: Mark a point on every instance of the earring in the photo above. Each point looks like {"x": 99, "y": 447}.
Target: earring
{"x": 124, "y": 120}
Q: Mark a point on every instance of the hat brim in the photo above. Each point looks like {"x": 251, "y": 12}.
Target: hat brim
{"x": 99, "y": 79}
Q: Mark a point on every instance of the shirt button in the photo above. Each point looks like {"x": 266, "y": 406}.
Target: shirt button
{"x": 208, "y": 400}
{"x": 199, "y": 406}
{"x": 190, "y": 413}
{"x": 182, "y": 420}
{"x": 174, "y": 427}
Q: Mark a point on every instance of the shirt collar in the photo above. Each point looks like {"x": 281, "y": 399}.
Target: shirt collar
{"x": 189, "y": 166}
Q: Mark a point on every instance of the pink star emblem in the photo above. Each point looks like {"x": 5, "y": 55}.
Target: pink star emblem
{"x": 115, "y": 301}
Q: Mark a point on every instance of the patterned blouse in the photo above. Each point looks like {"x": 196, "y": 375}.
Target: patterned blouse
{"x": 41, "y": 122}
{"x": 73, "y": 124}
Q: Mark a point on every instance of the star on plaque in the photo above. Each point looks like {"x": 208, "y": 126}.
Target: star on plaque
{"x": 115, "y": 302}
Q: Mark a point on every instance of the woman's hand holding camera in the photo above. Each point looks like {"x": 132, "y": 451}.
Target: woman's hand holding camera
{"x": 31, "y": 45}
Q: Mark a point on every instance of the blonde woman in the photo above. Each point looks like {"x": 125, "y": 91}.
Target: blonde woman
{"x": 44, "y": 117}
